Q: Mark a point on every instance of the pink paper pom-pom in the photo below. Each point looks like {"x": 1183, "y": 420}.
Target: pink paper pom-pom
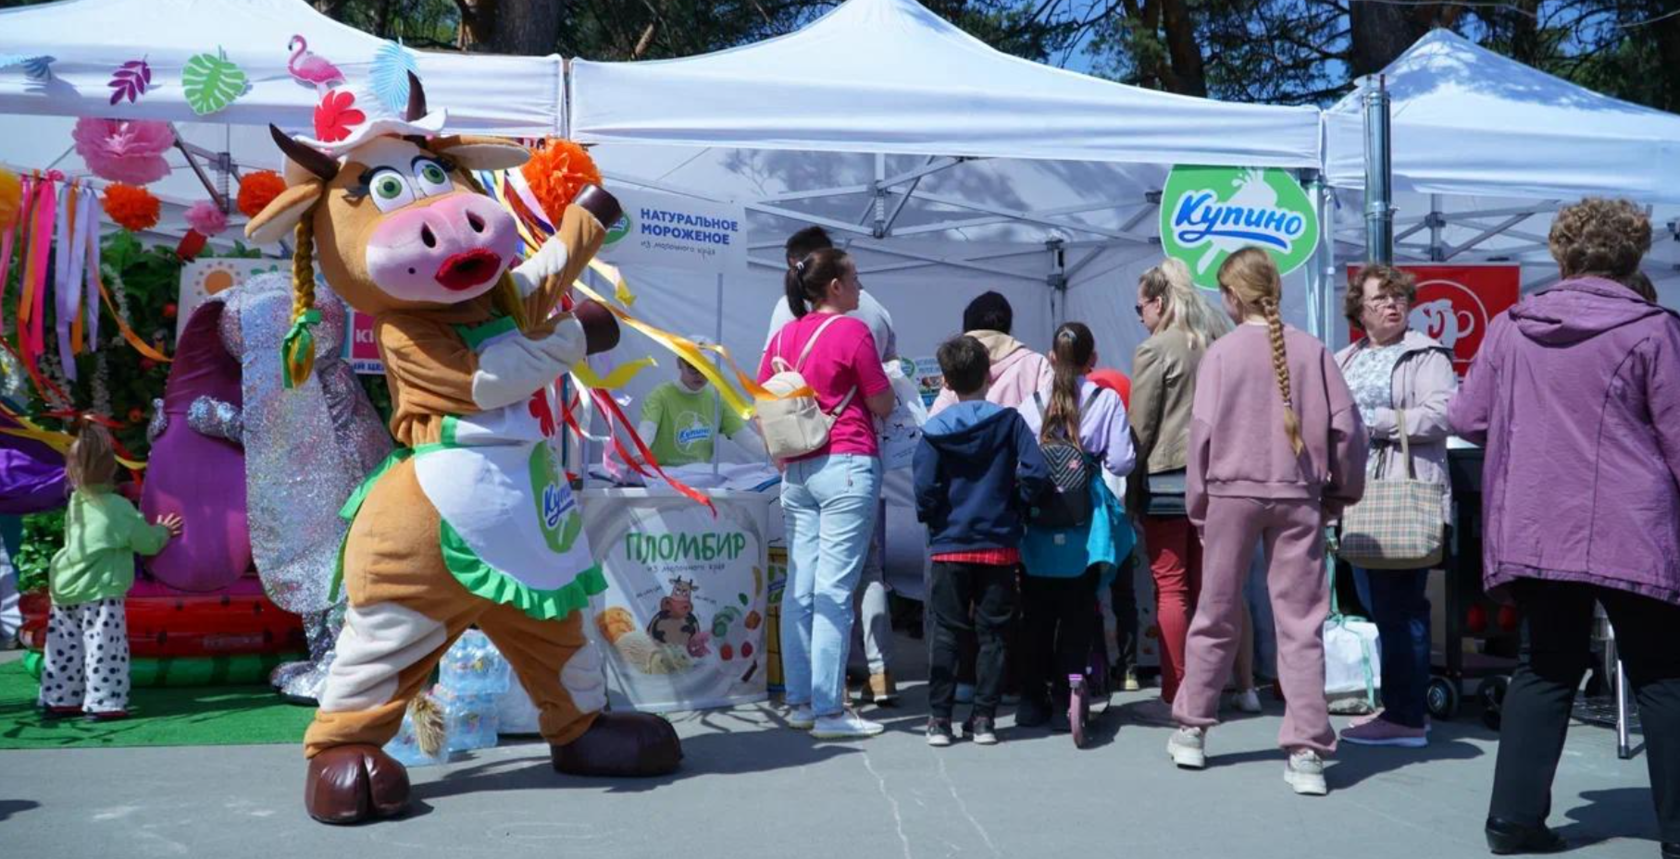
{"x": 124, "y": 150}
{"x": 204, "y": 217}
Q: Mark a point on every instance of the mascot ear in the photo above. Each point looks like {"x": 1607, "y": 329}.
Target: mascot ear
{"x": 480, "y": 153}
{"x": 283, "y": 213}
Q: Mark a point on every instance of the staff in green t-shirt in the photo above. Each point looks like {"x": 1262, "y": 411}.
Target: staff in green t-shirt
{"x": 678, "y": 418}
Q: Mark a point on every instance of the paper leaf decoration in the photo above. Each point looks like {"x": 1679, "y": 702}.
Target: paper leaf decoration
{"x": 212, "y": 83}
{"x": 36, "y": 67}
{"x": 389, "y": 76}
{"x": 130, "y": 81}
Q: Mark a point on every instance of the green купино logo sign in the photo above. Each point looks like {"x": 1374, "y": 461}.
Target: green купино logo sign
{"x": 1208, "y": 213}
{"x": 618, "y": 230}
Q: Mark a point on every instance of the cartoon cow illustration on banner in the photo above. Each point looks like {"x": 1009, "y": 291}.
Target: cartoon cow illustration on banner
{"x": 471, "y": 521}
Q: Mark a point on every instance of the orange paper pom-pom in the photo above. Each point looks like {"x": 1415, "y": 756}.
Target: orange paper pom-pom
{"x": 557, "y": 171}
{"x": 133, "y": 209}
{"x": 257, "y": 190}
{"x": 11, "y": 199}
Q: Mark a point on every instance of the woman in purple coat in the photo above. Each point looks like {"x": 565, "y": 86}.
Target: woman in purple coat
{"x": 1576, "y": 397}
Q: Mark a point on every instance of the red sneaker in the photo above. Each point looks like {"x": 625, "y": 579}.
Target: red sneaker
{"x": 107, "y": 716}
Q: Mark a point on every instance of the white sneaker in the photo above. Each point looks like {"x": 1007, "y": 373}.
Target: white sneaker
{"x": 845, "y": 726}
{"x": 1305, "y": 773}
{"x": 802, "y": 718}
{"x": 1246, "y": 701}
{"x": 1187, "y": 748}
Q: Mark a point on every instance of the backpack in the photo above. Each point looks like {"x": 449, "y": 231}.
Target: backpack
{"x": 794, "y": 424}
{"x": 1067, "y": 503}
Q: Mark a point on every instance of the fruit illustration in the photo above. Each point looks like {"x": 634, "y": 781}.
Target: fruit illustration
{"x": 727, "y": 652}
{"x": 753, "y": 619}
{"x": 746, "y": 649}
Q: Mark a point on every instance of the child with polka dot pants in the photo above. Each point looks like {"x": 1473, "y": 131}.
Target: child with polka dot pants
{"x": 86, "y": 665}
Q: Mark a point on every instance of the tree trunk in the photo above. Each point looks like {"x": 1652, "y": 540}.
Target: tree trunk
{"x": 529, "y": 27}
{"x": 1667, "y": 37}
{"x": 1182, "y": 49}
{"x": 1383, "y": 31}
{"x": 1525, "y": 34}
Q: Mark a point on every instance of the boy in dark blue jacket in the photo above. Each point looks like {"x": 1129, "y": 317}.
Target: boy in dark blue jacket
{"x": 978, "y": 469}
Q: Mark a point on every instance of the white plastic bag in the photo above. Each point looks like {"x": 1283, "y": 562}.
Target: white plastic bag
{"x": 901, "y": 431}
{"x": 1352, "y": 658}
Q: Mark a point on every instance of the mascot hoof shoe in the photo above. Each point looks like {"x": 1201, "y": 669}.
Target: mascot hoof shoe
{"x": 350, "y": 784}
{"x": 622, "y": 745}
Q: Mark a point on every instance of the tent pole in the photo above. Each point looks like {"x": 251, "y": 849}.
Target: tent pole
{"x": 1379, "y": 175}
{"x": 717, "y": 396}
{"x": 1435, "y": 223}
{"x": 1326, "y": 212}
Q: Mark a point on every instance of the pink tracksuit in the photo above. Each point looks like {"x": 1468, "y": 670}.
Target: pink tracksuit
{"x": 1246, "y": 483}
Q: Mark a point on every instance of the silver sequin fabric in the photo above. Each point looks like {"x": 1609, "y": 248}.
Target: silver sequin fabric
{"x": 212, "y": 417}
{"x": 306, "y": 449}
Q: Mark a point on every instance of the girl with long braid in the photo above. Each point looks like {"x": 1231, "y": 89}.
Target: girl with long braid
{"x": 1276, "y": 450}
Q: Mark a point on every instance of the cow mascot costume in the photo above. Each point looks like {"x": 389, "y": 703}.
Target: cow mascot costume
{"x": 471, "y": 521}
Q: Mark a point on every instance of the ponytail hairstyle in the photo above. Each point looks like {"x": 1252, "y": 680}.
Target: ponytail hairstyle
{"x": 1071, "y": 350}
{"x": 1251, "y": 277}
{"x": 92, "y": 459}
{"x": 808, "y": 278}
{"x": 1182, "y": 306}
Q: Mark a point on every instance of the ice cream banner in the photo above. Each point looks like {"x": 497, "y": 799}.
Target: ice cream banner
{"x": 682, "y": 233}
{"x": 1209, "y": 213}
{"x": 683, "y": 619}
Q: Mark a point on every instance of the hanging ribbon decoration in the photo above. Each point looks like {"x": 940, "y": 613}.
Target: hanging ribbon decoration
{"x": 32, "y": 306}
{"x": 67, "y": 269}
{"x": 60, "y": 441}
{"x": 128, "y": 334}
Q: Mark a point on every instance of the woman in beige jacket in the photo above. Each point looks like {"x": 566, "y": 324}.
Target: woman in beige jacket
{"x": 1182, "y": 326}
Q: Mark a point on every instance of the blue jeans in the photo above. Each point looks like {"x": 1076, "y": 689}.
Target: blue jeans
{"x": 1399, "y": 605}
{"x": 829, "y": 502}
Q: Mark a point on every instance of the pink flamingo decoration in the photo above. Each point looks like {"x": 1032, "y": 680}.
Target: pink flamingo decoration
{"x": 309, "y": 68}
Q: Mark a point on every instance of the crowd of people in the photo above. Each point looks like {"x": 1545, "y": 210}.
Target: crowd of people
{"x": 1225, "y": 461}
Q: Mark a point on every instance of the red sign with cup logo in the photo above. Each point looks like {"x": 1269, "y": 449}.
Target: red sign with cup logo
{"x": 1456, "y": 303}
{"x": 361, "y": 349}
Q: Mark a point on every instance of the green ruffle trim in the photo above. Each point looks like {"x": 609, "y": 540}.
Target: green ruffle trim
{"x": 485, "y": 581}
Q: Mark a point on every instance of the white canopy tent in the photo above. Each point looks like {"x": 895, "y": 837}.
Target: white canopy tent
{"x": 1485, "y": 149}
{"x": 951, "y": 167}
{"x": 947, "y": 167}
{"x": 90, "y": 39}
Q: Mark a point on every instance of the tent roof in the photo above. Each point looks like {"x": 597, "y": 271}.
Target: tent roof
{"x": 891, "y": 76}
{"x": 509, "y": 96}
{"x": 1469, "y": 121}
{"x": 91, "y": 38}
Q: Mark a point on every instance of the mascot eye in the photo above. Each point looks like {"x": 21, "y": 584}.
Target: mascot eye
{"x": 431, "y": 178}
{"x": 389, "y": 190}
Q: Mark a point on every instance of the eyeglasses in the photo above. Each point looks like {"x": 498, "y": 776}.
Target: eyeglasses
{"x": 1382, "y": 301}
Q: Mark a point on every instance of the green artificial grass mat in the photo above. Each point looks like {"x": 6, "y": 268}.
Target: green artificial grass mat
{"x": 158, "y": 716}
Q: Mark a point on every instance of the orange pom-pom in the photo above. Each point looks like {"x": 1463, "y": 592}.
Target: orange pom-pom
{"x": 133, "y": 209}
{"x": 257, "y": 190}
{"x": 11, "y": 199}
{"x": 557, "y": 171}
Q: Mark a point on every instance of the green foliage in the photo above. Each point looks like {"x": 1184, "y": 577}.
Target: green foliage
{"x": 150, "y": 278}
{"x": 43, "y": 536}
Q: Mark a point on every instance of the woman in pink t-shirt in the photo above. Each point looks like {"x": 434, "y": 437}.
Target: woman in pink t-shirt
{"x": 828, "y": 495}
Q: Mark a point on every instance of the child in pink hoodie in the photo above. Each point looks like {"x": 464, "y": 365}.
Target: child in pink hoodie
{"x": 1017, "y": 371}
{"x": 1276, "y": 450}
